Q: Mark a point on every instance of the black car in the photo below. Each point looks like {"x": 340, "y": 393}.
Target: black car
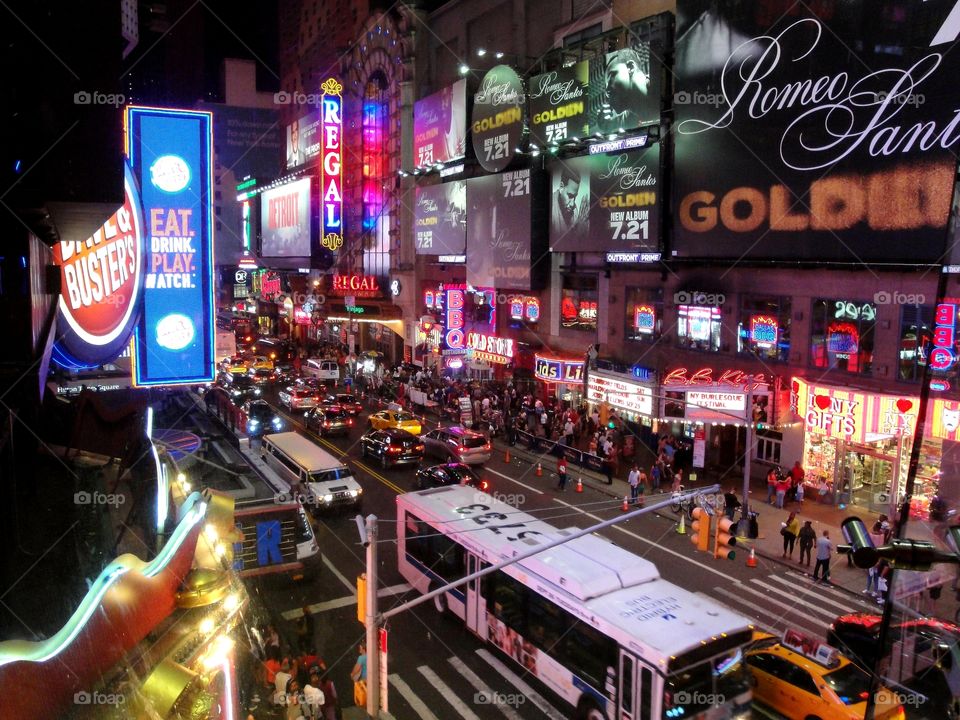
{"x": 262, "y": 376}
{"x": 261, "y": 418}
{"x": 328, "y": 420}
{"x": 241, "y": 388}
{"x": 450, "y": 474}
{"x": 392, "y": 446}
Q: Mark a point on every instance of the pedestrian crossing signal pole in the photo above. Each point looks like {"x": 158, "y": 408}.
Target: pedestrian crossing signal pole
{"x": 368, "y": 538}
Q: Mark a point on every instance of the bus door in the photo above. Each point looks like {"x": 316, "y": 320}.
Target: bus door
{"x": 635, "y": 691}
{"x": 476, "y": 603}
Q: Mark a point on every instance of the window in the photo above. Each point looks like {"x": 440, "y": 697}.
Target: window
{"x": 644, "y": 313}
{"x": 764, "y": 328}
{"x": 842, "y": 335}
{"x": 578, "y": 302}
{"x": 698, "y": 327}
{"x": 438, "y": 553}
{"x": 916, "y": 339}
{"x": 547, "y": 623}
{"x": 800, "y": 678}
{"x": 522, "y": 311}
{"x": 508, "y": 600}
{"x": 626, "y": 681}
{"x": 768, "y": 446}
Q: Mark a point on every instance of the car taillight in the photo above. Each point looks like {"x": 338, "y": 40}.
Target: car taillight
{"x": 487, "y": 446}
{"x": 349, "y": 421}
{"x": 461, "y": 448}
{"x": 326, "y": 423}
{"x": 484, "y": 485}
{"x": 393, "y": 449}
{"x": 419, "y": 447}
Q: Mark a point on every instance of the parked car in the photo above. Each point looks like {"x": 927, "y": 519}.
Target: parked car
{"x": 457, "y": 444}
{"x": 298, "y": 397}
{"x": 261, "y": 418}
{"x": 392, "y": 446}
{"x": 348, "y": 402}
{"x": 328, "y": 420}
{"x": 395, "y": 419}
{"x": 450, "y": 474}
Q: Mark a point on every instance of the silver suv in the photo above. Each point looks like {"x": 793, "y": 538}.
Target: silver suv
{"x": 457, "y": 444}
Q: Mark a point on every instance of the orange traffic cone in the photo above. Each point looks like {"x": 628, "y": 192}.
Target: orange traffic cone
{"x": 506, "y": 456}
{"x": 539, "y": 470}
{"x": 579, "y": 485}
{"x": 626, "y": 504}
{"x": 752, "y": 558}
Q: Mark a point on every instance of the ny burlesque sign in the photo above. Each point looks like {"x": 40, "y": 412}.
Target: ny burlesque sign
{"x": 787, "y": 134}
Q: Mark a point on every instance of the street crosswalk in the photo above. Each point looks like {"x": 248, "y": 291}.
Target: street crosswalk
{"x": 478, "y": 686}
{"x": 779, "y": 602}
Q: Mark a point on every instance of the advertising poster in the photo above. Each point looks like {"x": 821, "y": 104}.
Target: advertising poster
{"x": 606, "y": 202}
{"x": 440, "y": 126}
{"x": 815, "y": 134}
{"x": 499, "y": 231}
{"x": 440, "y": 218}
{"x": 497, "y": 127}
{"x": 558, "y": 105}
{"x": 624, "y": 90}
{"x": 303, "y": 139}
{"x": 285, "y": 220}
{"x": 170, "y": 154}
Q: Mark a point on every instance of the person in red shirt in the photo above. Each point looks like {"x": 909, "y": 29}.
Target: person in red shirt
{"x": 796, "y": 479}
{"x": 562, "y": 473}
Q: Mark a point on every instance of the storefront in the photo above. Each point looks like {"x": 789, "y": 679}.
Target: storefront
{"x": 561, "y": 378}
{"x": 857, "y": 445}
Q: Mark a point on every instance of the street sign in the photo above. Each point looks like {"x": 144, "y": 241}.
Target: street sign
{"x": 383, "y": 670}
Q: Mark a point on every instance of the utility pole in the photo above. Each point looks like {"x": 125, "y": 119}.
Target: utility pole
{"x": 373, "y": 634}
{"x": 744, "y": 529}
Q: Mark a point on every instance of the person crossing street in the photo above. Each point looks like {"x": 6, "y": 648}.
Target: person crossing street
{"x": 562, "y": 473}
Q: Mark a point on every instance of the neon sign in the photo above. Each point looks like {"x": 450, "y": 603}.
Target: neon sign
{"x": 705, "y": 376}
{"x": 843, "y": 339}
{"x": 942, "y": 356}
{"x": 532, "y": 309}
{"x": 763, "y": 331}
{"x": 364, "y": 285}
{"x": 490, "y": 347}
{"x": 560, "y": 371}
{"x": 644, "y": 319}
{"x": 454, "y": 318}
{"x": 331, "y": 170}
{"x": 524, "y": 308}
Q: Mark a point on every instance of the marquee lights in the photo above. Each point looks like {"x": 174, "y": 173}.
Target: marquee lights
{"x": 706, "y": 376}
{"x": 331, "y": 169}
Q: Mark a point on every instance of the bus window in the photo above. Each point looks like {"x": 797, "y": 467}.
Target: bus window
{"x": 587, "y": 652}
{"x": 646, "y": 692}
{"x": 626, "y": 683}
{"x": 508, "y": 601}
{"x": 437, "y": 552}
{"x": 546, "y": 622}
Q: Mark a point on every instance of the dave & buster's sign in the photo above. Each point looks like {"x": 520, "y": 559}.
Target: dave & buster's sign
{"x": 816, "y": 133}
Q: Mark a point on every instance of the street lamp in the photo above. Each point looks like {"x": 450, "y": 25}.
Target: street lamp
{"x": 464, "y": 68}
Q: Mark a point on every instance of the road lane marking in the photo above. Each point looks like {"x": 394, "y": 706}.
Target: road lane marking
{"x": 828, "y": 589}
{"x": 506, "y": 477}
{"x": 791, "y": 609}
{"x": 811, "y": 590}
{"x": 724, "y": 575}
{"x": 774, "y": 622}
{"x": 339, "y": 575}
{"x": 799, "y": 597}
{"x": 768, "y": 622}
{"x": 346, "y": 601}
{"x": 448, "y": 694}
{"x": 482, "y": 688}
{"x": 411, "y": 697}
{"x": 532, "y": 695}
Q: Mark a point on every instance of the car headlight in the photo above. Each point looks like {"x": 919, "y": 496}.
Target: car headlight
{"x": 354, "y": 493}
{"x": 253, "y": 422}
{"x": 328, "y": 498}
{"x": 277, "y": 422}
{"x": 234, "y": 392}
{"x": 256, "y": 391}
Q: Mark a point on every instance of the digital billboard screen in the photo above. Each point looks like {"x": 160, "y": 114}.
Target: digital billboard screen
{"x": 285, "y": 220}
{"x": 440, "y": 126}
{"x": 440, "y": 218}
{"x": 606, "y": 202}
{"x": 170, "y": 154}
{"x": 816, "y": 134}
{"x": 303, "y": 139}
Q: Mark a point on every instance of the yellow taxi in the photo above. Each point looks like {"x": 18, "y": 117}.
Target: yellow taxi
{"x": 800, "y": 678}
{"x": 261, "y": 362}
{"x": 395, "y": 419}
{"x": 237, "y": 365}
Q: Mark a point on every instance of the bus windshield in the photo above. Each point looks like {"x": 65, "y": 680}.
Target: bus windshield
{"x": 705, "y": 684}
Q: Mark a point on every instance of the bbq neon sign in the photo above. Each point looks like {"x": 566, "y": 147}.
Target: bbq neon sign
{"x": 942, "y": 356}
{"x": 331, "y": 167}
{"x": 763, "y": 331}
{"x": 454, "y": 336}
{"x": 644, "y": 319}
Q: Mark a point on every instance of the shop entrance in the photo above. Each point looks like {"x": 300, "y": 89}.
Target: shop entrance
{"x": 868, "y": 474}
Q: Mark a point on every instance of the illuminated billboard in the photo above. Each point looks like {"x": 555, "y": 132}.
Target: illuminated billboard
{"x": 624, "y": 89}
{"x": 440, "y": 218}
{"x": 170, "y": 153}
{"x": 497, "y": 126}
{"x": 440, "y": 126}
{"x": 558, "y": 105}
{"x": 303, "y": 141}
{"x": 285, "y": 220}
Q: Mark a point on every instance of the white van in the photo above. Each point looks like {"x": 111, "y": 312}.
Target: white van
{"x": 326, "y": 481}
{"x": 322, "y": 369}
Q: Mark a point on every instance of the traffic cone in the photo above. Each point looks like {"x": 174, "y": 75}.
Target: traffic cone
{"x": 626, "y": 504}
{"x": 539, "y": 470}
{"x": 506, "y": 456}
{"x": 752, "y": 558}
{"x": 682, "y": 527}
{"x": 579, "y": 485}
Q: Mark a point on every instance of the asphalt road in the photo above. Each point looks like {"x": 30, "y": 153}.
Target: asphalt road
{"x": 437, "y": 669}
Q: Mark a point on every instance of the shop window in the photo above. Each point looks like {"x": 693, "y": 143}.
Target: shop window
{"x": 768, "y": 445}
{"x": 698, "y": 327}
{"x": 842, "y": 335}
{"x": 916, "y": 340}
{"x": 578, "y": 302}
{"x": 764, "y": 328}
{"x": 644, "y": 313}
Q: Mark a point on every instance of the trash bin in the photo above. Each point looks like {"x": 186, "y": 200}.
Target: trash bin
{"x": 754, "y": 531}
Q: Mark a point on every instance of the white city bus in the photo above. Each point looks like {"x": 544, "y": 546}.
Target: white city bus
{"x": 594, "y": 622}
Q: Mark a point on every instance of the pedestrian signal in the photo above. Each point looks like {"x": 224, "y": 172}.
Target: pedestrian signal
{"x": 724, "y": 540}
{"x": 700, "y": 528}
{"x": 362, "y": 598}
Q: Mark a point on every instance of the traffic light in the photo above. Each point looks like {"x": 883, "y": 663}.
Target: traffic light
{"x": 700, "y": 529}
{"x": 362, "y": 599}
{"x": 724, "y": 540}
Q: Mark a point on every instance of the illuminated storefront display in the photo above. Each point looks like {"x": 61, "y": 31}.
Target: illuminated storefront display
{"x": 490, "y": 348}
{"x": 331, "y": 166}
{"x": 842, "y": 335}
{"x": 524, "y": 309}
{"x": 453, "y": 337}
{"x": 644, "y": 319}
{"x": 620, "y": 394}
{"x": 556, "y": 370}
{"x": 943, "y": 354}
{"x": 356, "y": 285}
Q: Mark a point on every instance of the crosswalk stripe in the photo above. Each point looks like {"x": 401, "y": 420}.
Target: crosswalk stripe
{"x": 775, "y": 625}
{"x": 448, "y": 694}
{"x": 797, "y": 598}
{"x": 833, "y": 591}
{"x": 793, "y": 611}
{"x": 482, "y": 688}
{"x": 345, "y": 601}
{"x": 532, "y": 695}
{"x": 764, "y": 624}
{"x": 339, "y": 575}
{"x": 411, "y": 697}
{"x": 813, "y": 590}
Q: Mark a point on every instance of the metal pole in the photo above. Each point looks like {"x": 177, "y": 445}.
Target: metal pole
{"x": 373, "y": 634}
{"x": 748, "y": 439}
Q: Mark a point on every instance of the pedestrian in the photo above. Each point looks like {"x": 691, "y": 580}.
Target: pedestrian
{"x": 771, "y": 485}
{"x": 824, "y": 551}
{"x": 633, "y": 479}
{"x": 799, "y": 495}
{"x": 562, "y": 473}
{"x": 675, "y": 485}
{"x": 796, "y": 478}
{"x": 305, "y": 630}
{"x": 808, "y": 537}
{"x": 313, "y": 698}
{"x": 730, "y": 504}
{"x": 641, "y": 487}
{"x": 608, "y": 469}
{"x": 790, "y": 530}
{"x": 568, "y": 428}
{"x": 359, "y": 677}
{"x": 330, "y": 700}
{"x": 655, "y": 475}
{"x": 783, "y": 484}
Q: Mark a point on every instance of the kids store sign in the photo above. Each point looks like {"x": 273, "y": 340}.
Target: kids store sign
{"x": 849, "y": 415}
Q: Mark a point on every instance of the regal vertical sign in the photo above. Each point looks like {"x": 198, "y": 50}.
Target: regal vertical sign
{"x": 170, "y": 154}
{"x": 331, "y": 167}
